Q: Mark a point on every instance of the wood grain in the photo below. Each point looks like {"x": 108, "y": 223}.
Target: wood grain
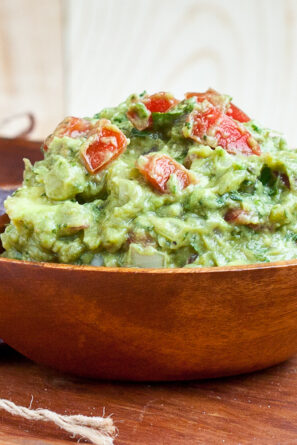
{"x": 259, "y": 408}
{"x": 31, "y": 64}
{"x": 153, "y": 324}
{"x": 245, "y": 48}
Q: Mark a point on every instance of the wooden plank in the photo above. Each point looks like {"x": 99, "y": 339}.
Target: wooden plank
{"x": 247, "y": 49}
{"x": 31, "y": 66}
{"x": 257, "y": 408}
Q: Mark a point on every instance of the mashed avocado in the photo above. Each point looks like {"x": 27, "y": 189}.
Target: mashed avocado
{"x": 157, "y": 182}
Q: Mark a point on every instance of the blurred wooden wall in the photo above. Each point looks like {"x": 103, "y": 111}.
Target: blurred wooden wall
{"x": 31, "y": 61}
{"x": 62, "y": 57}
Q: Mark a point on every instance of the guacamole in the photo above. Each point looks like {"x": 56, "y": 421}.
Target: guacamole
{"x": 158, "y": 182}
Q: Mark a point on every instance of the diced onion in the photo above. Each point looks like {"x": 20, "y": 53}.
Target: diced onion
{"x": 97, "y": 260}
{"x": 147, "y": 257}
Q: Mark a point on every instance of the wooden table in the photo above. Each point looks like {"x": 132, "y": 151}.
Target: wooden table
{"x": 259, "y": 408}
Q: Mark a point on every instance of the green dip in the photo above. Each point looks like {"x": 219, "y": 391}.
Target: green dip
{"x": 239, "y": 209}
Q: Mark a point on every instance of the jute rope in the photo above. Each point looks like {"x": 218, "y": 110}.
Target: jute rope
{"x": 97, "y": 430}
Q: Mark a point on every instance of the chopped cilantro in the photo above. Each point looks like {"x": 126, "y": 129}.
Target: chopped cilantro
{"x": 256, "y": 128}
{"x": 235, "y": 196}
{"x": 267, "y": 177}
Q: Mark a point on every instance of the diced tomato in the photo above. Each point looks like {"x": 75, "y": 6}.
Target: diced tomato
{"x": 104, "y": 141}
{"x": 157, "y": 169}
{"x": 105, "y": 144}
{"x": 45, "y": 144}
{"x": 139, "y": 113}
{"x": 236, "y": 139}
{"x": 238, "y": 216}
{"x": 215, "y": 127}
{"x": 210, "y": 95}
{"x": 160, "y": 102}
{"x": 241, "y": 217}
{"x": 73, "y": 127}
{"x": 285, "y": 179}
{"x": 203, "y": 122}
{"x": 215, "y": 99}
{"x": 200, "y": 96}
{"x": 237, "y": 114}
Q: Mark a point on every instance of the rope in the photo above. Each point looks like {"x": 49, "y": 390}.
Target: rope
{"x": 97, "y": 430}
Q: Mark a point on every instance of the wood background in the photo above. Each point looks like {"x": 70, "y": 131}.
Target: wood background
{"x": 62, "y": 57}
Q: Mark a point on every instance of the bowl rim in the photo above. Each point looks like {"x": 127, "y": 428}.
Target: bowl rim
{"x": 162, "y": 271}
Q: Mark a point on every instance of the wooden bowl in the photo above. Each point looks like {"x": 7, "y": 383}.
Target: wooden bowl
{"x": 153, "y": 324}
{"x": 150, "y": 324}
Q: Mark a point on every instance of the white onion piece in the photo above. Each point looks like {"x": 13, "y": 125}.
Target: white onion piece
{"x": 146, "y": 257}
{"x": 97, "y": 260}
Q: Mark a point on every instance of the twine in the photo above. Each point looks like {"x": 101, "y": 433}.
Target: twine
{"x": 97, "y": 430}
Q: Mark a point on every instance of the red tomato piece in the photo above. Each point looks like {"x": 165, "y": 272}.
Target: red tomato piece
{"x": 214, "y": 98}
{"x": 73, "y": 127}
{"x": 160, "y": 102}
{"x": 238, "y": 216}
{"x": 216, "y": 128}
{"x": 241, "y": 217}
{"x": 210, "y": 95}
{"x": 235, "y": 139}
{"x": 285, "y": 179}
{"x": 203, "y": 122}
{"x": 190, "y": 94}
{"x": 237, "y": 114}
{"x": 105, "y": 143}
{"x": 157, "y": 169}
{"x": 139, "y": 113}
